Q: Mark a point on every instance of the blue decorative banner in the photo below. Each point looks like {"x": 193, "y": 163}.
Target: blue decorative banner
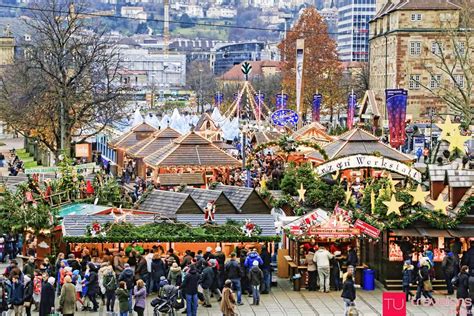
{"x": 281, "y": 101}
{"x": 285, "y": 117}
{"x": 218, "y": 99}
{"x": 259, "y": 98}
{"x": 351, "y": 106}
{"x": 316, "y": 112}
{"x": 396, "y": 100}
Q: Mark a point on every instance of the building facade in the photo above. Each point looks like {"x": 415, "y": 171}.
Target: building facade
{"x": 224, "y": 56}
{"x": 353, "y": 29}
{"x": 7, "y": 55}
{"x": 329, "y": 13}
{"x": 406, "y": 38}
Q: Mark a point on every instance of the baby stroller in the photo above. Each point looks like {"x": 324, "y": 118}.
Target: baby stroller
{"x": 169, "y": 301}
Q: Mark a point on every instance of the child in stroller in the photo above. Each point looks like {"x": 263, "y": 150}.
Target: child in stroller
{"x": 168, "y": 301}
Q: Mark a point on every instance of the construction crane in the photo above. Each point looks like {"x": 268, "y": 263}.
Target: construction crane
{"x": 166, "y": 27}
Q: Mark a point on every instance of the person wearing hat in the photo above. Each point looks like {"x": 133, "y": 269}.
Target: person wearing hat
{"x": 127, "y": 276}
{"x": 206, "y": 280}
{"x": 228, "y": 300}
{"x": 215, "y": 286}
{"x": 255, "y": 279}
{"x": 174, "y": 275}
{"x": 208, "y": 255}
{"x": 336, "y": 270}
{"x": 47, "y": 297}
{"x": 27, "y": 294}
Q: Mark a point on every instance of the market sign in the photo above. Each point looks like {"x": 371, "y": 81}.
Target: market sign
{"x": 366, "y": 161}
{"x": 336, "y": 232}
{"x": 46, "y": 170}
{"x": 367, "y": 229}
{"x": 285, "y": 117}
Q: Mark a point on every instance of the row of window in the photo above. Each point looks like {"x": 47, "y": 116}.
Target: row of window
{"x": 436, "y": 48}
{"x": 435, "y": 81}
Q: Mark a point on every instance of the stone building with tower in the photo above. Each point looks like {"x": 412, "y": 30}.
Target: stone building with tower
{"x": 405, "y": 36}
{"x": 7, "y": 55}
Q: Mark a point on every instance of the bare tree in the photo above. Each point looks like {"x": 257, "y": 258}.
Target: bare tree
{"x": 67, "y": 86}
{"x": 200, "y": 78}
{"x": 450, "y": 64}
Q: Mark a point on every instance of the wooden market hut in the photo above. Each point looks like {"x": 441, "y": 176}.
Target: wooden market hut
{"x": 246, "y": 200}
{"x": 263, "y": 137}
{"x": 207, "y": 128}
{"x": 177, "y": 179}
{"x": 191, "y": 153}
{"x": 168, "y": 204}
{"x": 148, "y": 146}
{"x": 204, "y": 196}
{"x": 128, "y": 139}
{"x": 313, "y": 132}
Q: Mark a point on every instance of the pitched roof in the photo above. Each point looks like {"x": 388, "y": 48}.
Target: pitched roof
{"x": 153, "y": 143}
{"x": 358, "y": 141}
{"x": 201, "y": 124}
{"x": 204, "y": 196}
{"x": 438, "y": 173}
{"x": 461, "y": 178}
{"x": 173, "y": 179}
{"x": 265, "y": 137}
{"x": 369, "y": 103}
{"x": 191, "y": 150}
{"x": 168, "y": 203}
{"x": 258, "y": 67}
{"x": 133, "y": 136}
{"x": 313, "y": 132}
{"x": 265, "y": 221}
{"x": 392, "y": 6}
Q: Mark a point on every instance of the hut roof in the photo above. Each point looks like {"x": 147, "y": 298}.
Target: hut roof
{"x": 201, "y": 125}
{"x": 461, "y": 178}
{"x": 246, "y": 200}
{"x": 369, "y": 104}
{"x": 191, "y": 150}
{"x": 264, "y": 137}
{"x": 153, "y": 143}
{"x": 168, "y": 203}
{"x": 173, "y": 179}
{"x": 315, "y": 132}
{"x": 203, "y": 196}
{"x": 133, "y": 136}
{"x": 358, "y": 141}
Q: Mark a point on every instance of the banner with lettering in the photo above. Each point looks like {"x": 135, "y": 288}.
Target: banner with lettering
{"x": 281, "y": 101}
{"x": 351, "y": 106}
{"x": 218, "y": 99}
{"x": 316, "y": 112}
{"x": 396, "y": 100}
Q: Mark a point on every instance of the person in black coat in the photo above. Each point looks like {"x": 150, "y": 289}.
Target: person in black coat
{"x": 27, "y": 294}
{"x": 348, "y": 292}
{"x": 190, "y": 290}
{"x": 158, "y": 269}
{"x": 462, "y": 288}
{"x": 352, "y": 259}
{"x": 471, "y": 292}
{"x": 93, "y": 287}
{"x": 47, "y": 298}
{"x": 468, "y": 257}
{"x": 266, "y": 269}
{"x": 206, "y": 281}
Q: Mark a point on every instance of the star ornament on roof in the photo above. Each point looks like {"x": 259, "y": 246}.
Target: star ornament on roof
{"x": 419, "y": 195}
{"x": 448, "y": 128}
{"x": 393, "y": 206}
{"x": 440, "y": 204}
{"x": 301, "y": 192}
{"x": 456, "y": 140}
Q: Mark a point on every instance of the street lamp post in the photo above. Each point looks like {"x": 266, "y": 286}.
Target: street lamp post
{"x": 200, "y": 91}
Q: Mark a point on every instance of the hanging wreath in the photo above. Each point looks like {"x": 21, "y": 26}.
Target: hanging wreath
{"x": 96, "y": 230}
{"x": 250, "y": 229}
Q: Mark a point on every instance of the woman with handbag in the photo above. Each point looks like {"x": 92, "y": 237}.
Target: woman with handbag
{"x": 27, "y": 294}
{"x": 424, "y": 282}
{"x": 140, "y": 297}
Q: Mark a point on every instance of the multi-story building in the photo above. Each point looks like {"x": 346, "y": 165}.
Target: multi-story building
{"x": 330, "y": 15}
{"x": 7, "y": 54}
{"x": 142, "y": 69}
{"x": 221, "y": 12}
{"x": 405, "y": 38}
{"x": 353, "y": 29}
{"x": 137, "y": 13}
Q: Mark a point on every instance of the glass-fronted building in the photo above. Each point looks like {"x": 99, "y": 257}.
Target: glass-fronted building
{"x": 353, "y": 29}
{"x": 225, "y": 56}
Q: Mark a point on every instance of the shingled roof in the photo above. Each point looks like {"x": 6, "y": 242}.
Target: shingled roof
{"x": 264, "y": 137}
{"x": 203, "y": 196}
{"x": 315, "y": 132}
{"x": 174, "y": 179}
{"x": 169, "y": 203}
{"x": 246, "y": 200}
{"x": 133, "y": 136}
{"x": 463, "y": 178}
{"x": 392, "y": 6}
{"x": 358, "y": 141}
{"x": 153, "y": 143}
{"x": 191, "y": 150}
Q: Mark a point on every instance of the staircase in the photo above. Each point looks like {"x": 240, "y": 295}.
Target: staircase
{"x": 396, "y": 285}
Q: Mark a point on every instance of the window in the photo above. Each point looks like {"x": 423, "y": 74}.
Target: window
{"x": 415, "y": 48}
{"x": 436, "y": 48}
{"x": 414, "y": 83}
{"x": 416, "y": 17}
{"x": 435, "y": 82}
{"x": 460, "y": 48}
{"x": 459, "y": 80}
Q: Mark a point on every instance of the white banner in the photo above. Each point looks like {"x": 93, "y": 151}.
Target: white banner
{"x": 45, "y": 170}
{"x": 362, "y": 161}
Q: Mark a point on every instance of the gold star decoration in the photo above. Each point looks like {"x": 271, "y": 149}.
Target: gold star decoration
{"x": 372, "y": 201}
{"x": 440, "y": 204}
{"x": 456, "y": 140}
{"x": 392, "y": 182}
{"x": 393, "y": 206}
{"x": 301, "y": 192}
{"x": 447, "y": 128}
{"x": 334, "y": 176}
{"x": 419, "y": 195}
{"x": 348, "y": 194}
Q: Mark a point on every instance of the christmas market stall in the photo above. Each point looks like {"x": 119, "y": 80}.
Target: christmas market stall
{"x": 336, "y": 232}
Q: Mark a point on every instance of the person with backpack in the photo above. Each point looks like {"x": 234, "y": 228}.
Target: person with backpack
{"x": 110, "y": 285}
{"x": 448, "y": 270}
{"x": 174, "y": 274}
{"x": 255, "y": 280}
{"x": 348, "y": 293}
{"x": 206, "y": 280}
{"x": 3, "y": 294}
{"x": 233, "y": 272}
{"x": 461, "y": 282}
{"x": 127, "y": 276}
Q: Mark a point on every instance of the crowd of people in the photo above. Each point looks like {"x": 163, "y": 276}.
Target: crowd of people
{"x": 14, "y": 163}
{"x": 83, "y": 282}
